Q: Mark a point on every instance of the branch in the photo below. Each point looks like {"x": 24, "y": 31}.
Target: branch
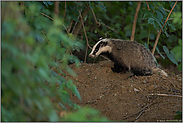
{"x": 95, "y": 18}
{"x": 141, "y": 110}
{"x": 86, "y": 37}
{"x": 70, "y": 26}
{"x": 98, "y": 23}
{"x": 79, "y": 24}
{"x": 157, "y": 38}
{"x": 166, "y": 95}
{"x": 135, "y": 20}
{"x": 109, "y": 28}
{"x": 53, "y": 20}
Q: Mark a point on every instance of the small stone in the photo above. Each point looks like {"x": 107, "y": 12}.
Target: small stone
{"x": 144, "y": 82}
{"x": 136, "y": 90}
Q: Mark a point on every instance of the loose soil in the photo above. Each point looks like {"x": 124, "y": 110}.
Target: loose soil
{"x": 123, "y": 98}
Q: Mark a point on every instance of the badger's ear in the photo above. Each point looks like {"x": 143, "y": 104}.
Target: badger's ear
{"x": 103, "y": 44}
{"x": 100, "y": 38}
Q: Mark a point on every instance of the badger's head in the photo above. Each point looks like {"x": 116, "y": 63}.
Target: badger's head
{"x": 102, "y": 46}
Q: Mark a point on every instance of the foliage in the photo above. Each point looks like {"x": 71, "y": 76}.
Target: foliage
{"x": 90, "y": 115}
{"x": 177, "y": 50}
{"x": 31, "y": 45}
{"x": 157, "y": 16}
{"x": 119, "y": 16}
{"x": 178, "y": 115}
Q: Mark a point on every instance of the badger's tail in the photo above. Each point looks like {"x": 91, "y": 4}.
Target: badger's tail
{"x": 162, "y": 72}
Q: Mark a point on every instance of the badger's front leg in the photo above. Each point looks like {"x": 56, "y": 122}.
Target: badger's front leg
{"x": 118, "y": 68}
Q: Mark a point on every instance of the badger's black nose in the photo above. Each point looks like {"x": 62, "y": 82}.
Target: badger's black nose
{"x": 91, "y": 56}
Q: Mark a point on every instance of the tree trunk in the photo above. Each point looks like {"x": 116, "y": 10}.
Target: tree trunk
{"x": 56, "y": 8}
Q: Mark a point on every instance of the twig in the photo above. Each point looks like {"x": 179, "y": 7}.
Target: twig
{"x": 45, "y": 37}
{"x": 75, "y": 25}
{"x": 157, "y": 38}
{"x": 47, "y": 16}
{"x": 95, "y": 18}
{"x": 84, "y": 30}
{"x": 147, "y": 5}
{"x": 85, "y": 37}
{"x": 70, "y": 26}
{"x": 135, "y": 20}
{"x": 139, "y": 115}
{"x": 167, "y": 10}
{"x": 101, "y": 23}
{"x": 166, "y": 95}
{"x": 53, "y": 20}
{"x": 110, "y": 28}
{"x": 139, "y": 110}
{"x": 79, "y": 24}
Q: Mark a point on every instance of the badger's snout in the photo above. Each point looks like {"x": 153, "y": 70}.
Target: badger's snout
{"x": 92, "y": 56}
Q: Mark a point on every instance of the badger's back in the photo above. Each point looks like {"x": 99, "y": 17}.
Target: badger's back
{"x": 132, "y": 54}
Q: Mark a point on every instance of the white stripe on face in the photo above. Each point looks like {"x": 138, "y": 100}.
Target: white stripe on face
{"x": 94, "y": 47}
{"x": 101, "y": 49}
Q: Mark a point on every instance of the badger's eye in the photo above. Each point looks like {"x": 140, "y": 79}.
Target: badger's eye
{"x": 103, "y": 44}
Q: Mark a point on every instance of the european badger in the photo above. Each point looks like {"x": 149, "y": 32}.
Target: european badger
{"x": 127, "y": 54}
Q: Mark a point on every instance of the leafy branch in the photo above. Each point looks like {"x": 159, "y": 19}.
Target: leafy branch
{"x": 157, "y": 38}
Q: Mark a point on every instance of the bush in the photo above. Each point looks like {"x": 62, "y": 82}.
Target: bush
{"x": 31, "y": 45}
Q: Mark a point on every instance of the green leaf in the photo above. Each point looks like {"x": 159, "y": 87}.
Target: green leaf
{"x": 74, "y": 18}
{"x": 151, "y": 21}
{"x": 159, "y": 14}
{"x": 180, "y": 67}
{"x": 165, "y": 49}
{"x": 158, "y": 22}
{"x": 179, "y": 115}
{"x": 53, "y": 117}
{"x": 167, "y": 35}
{"x": 62, "y": 105}
{"x": 143, "y": 34}
{"x": 75, "y": 91}
{"x": 147, "y": 15}
{"x": 171, "y": 57}
{"x": 172, "y": 27}
{"x": 162, "y": 10}
{"x": 177, "y": 50}
{"x": 145, "y": 44}
{"x": 95, "y": 31}
{"x": 160, "y": 53}
{"x": 65, "y": 97}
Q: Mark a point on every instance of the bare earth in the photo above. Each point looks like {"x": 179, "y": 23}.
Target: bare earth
{"x": 123, "y": 98}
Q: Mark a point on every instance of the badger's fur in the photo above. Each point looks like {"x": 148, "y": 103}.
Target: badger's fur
{"x": 127, "y": 54}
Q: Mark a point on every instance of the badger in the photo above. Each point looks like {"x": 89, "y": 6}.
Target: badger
{"x": 128, "y": 55}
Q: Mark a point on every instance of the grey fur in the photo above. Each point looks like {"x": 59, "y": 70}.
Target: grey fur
{"x": 127, "y": 54}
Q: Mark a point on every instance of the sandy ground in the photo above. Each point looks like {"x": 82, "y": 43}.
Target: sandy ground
{"x": 120, "y": 97}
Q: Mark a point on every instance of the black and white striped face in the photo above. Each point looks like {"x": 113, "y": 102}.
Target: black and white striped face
{"x": 101, "y": 46}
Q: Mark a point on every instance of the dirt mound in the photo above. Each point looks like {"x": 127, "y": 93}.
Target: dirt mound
{"x": 124, "y": 98}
